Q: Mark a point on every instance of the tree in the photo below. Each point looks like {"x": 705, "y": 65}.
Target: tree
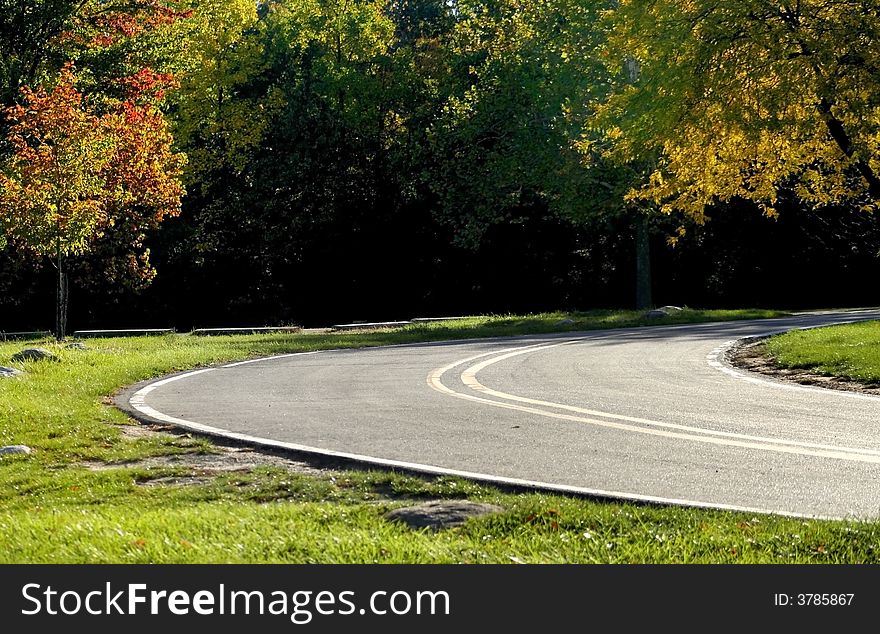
{"x": 517, "y": 134}
{"x": 297, "y": 163}
{"x": 74, "y": 173}
{"x": 224, "y": 104}
{"x": 745, "y": 98}
{"x": 107, "y": 40}
{"x": 518, "y": 80}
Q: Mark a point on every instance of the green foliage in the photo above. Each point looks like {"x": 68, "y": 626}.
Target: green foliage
{"x": 27, "y": 30}
{"x": 512, "y": 134}
{"x": 221, "y": 115}
{"x": 37, "y": 37}
{"x": 323, "y": 127}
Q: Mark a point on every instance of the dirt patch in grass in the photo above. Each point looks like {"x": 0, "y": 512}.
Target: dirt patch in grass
{"x": 176, "y": 481}
{"x": 226, "y": 458}
{"x": 753, "y": 356}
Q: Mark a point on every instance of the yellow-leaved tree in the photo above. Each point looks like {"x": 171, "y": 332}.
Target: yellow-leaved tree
{"x": 222, "y": 107}
{"x": 742, "y": 98}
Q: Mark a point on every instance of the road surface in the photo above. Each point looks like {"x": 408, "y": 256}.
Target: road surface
{"x": 644, "y": 414}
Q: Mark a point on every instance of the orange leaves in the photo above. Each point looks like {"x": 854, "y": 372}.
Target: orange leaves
{"x": 145, "y": 172}
{"x": 51, "y": 190}
{"x": 97, "y": 24}
{"x": 105, "y": 23}
{"x": 74, "y": 172}
{"x": 148, "y": 86}
{"x": 44, "y": 113}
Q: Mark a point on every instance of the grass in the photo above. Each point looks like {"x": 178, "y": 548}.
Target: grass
{"x": 54, "y": 508}
{"x": 850, "y": 351}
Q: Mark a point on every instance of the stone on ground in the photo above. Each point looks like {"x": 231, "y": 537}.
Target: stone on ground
{"x": 6, "y": 372}
{"x": 33, "y": 354}
{"x": 441, "y": 513}
{"x": 13, "y": 449}
{"x": 663, "y": 311}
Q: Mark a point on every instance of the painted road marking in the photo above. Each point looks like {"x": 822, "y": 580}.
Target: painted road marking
{"x": 137, "y": 402}
{"x": 138, "y": 397}
{"x": 277, "y": 356}
{"x": 644, "y": 426}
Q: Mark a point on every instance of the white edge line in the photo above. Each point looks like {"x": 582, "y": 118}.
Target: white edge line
{"x": 277, "y": 356}
{"x": 138, "y": 397}
{"x": 470, "y": 475}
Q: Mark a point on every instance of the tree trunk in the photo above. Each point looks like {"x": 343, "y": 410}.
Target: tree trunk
{"x": 643, "y": 263}
{"x": 61, "y": 299}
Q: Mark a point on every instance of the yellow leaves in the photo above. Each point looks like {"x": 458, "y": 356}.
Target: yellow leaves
{"x": 728, "y": 100}
{"x": 355, "y": 31}
{"x": 225, "y": 49}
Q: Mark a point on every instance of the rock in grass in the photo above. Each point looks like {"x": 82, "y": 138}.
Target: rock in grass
{"x": 441, "y": 513}
{"x": 13, "y": 449}
{"x": 34, "y": 354}
{"x": 76, "y": 345}
{"x": 7, "y": 372}
{"x": 565, "y": 322}
{"x": 663, "y": 311}
{"x": 656, "y": 314}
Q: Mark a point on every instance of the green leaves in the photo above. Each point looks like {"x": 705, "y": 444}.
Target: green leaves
{"x": 511, "y": 132}
{"x": 220, "y": 54}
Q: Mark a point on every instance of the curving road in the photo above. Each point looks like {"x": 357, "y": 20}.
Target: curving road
{"x": 648, "y": 413}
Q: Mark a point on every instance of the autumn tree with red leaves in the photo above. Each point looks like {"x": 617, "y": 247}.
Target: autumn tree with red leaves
{"x": 38, "y": 36}
{"x": 74, "y": 173}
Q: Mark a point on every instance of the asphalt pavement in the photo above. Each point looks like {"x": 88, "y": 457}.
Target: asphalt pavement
{"x": 650, "y": 414}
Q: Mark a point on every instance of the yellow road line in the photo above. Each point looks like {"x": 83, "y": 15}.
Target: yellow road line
{"x": 644, "y": 426}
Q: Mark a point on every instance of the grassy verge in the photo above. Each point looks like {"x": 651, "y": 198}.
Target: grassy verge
{"x": 55, "y": 506}
{"x": 851, "y": 351}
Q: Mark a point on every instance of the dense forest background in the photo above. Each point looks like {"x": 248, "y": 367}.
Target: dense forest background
{"x": 387, "y": 159}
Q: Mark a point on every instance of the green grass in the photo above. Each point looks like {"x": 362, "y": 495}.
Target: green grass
{"x": 851, "y": 351}
{"x": 53, "y": 508}
{"x": 498, "y": 326}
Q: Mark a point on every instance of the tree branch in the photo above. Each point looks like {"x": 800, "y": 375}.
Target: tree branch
{"x": 840, "y": 136}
